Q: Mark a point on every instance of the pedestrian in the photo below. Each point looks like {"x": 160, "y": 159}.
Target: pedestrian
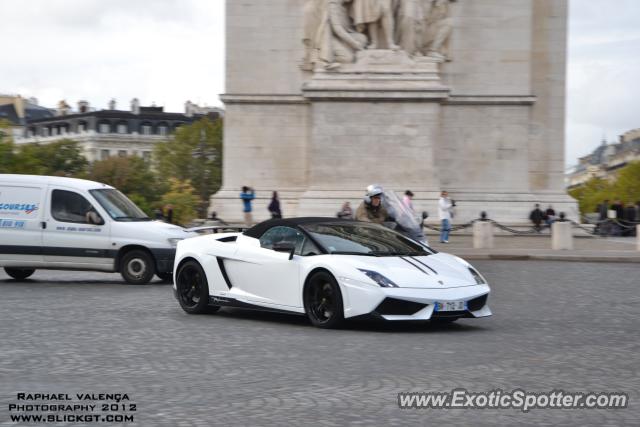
{"x": 274, "y": 206}
{"x": 346, "y": 212}
{"x": 169, "y": 214}
{"x": 629, "y": 220}
{"x": 407, "y": 200}
{"x": 549, "y": 216}
{"x": 445, "y": 207}
{"x": 536, "y": 217}
{"x": 247, "y": 195}
{"x": 603, "y": 210}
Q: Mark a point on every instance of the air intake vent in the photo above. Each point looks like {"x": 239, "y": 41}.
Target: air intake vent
{"x": 395, "y": 306}
{"x": 477, "y": 303}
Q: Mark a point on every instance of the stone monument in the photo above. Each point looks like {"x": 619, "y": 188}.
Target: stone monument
{"x": 325, "y": 97}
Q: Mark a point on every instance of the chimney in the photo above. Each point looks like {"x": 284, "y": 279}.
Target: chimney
{"x": 112, "y": 104}
{"x": 135, "y": 106}
{"x": 63, "y": 108}
{"x": 83, "y": 106}
{"x": 188, "y": 109}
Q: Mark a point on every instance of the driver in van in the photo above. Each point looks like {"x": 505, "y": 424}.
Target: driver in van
{"x": 371, "y": 209}
{"x": 92, "y": 216}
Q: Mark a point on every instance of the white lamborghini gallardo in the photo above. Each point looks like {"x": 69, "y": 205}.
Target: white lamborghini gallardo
{"x": 329, "y": 270}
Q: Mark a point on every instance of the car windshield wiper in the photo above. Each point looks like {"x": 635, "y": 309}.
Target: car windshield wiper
{"x": 353, "y": 253}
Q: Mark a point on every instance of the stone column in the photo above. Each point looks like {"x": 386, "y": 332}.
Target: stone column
{"x": 482, "y": 235}
{"x": 562, "y": 235}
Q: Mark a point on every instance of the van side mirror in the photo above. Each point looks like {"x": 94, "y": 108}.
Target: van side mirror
{"x": 285, "y": 247}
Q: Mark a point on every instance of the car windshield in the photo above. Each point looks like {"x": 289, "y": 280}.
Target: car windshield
{"x": 357, "y": 238}
{"x": 118, "y": 206}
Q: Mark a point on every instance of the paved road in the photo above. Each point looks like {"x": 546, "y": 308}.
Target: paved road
{"x": 557, "y": 325}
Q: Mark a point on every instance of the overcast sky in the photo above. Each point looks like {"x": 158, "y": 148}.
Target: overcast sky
{"x": 170, "y": 51}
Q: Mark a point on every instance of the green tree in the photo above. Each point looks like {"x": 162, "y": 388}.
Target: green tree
{"x": 182, "y": 199}
{"x": 131, "y": 175}
{"x": 194, "y": 154}
{"x": 60, "y": 158}
{"x": 627, "y": 186}
{"x": 7, "y": 155}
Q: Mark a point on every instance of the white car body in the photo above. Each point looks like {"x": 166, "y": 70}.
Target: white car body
{"x": 241, "y": 273}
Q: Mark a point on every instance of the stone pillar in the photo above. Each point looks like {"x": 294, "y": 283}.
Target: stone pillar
{"x": 482, "y": 235}
{"x": 562, "y": 235}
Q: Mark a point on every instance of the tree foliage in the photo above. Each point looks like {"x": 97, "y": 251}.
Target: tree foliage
{"x": 194, "y": 154}
{"x": 60, "y": 158}
{"x": 131, "y": 175}
{"x": 182, "y": 200}
{"x": 625, "y": 188}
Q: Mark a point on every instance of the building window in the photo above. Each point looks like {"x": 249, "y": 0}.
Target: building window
{"x": 122, "y": 153}
{"x": 162, "y": 130}
{"x": 146, "y": 129}
{"x": 104, "y": 128}
{"x": 104, "y": 154}
{"x": 122, "y": 128}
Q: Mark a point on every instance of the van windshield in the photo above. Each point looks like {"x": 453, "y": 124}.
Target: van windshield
{"x": 118, "y": 206}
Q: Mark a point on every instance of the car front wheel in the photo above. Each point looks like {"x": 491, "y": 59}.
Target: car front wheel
{"x": 137, "y": 267}
{"x": 193, "y": 289}
{"x": 323, "y": 301}
{"x": 19, "y": 273}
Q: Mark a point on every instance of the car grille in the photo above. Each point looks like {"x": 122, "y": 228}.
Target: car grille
{"x": 393, "y": 306}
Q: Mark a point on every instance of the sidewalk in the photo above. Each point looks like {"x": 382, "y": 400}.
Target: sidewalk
{"x": 538, "y": 247}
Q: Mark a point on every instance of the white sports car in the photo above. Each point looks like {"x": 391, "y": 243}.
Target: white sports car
{"x": 329, "y": 269}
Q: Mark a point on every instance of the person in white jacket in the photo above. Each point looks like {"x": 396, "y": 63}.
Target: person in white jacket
{"x": 445, "y": 207}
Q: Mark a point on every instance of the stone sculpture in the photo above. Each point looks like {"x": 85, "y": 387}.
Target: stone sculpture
{"x": 438, "y": 27}
{"x": 375, "y": 18}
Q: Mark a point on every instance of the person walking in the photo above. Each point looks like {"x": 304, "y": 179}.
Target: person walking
{"x": 445, "y": 206}
{"x": 247, "y": 195}
{"x": 536, "y": 216}
{"x": 274, "y": 206}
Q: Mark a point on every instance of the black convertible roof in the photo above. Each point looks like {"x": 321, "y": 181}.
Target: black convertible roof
{"x": 258, "y": 230}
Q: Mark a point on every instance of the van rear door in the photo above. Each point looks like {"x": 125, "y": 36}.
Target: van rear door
{"x": 72, "y": 238}
{"x": 20, "y": 225}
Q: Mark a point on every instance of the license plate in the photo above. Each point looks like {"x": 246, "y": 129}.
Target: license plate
{"x": 451, "y": 306}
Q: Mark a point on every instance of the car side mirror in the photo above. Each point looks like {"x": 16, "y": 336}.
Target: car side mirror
{"x": 285, "y": 247}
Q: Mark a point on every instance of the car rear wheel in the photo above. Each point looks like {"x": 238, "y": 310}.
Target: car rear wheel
{"x": 193, "y": 289}
{"x": 19, "y": 273}
{"x": 137, "y": 267}
{"x": 323, "y": 301}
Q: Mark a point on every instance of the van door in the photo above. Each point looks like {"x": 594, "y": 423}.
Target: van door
{"x": 21, "y": 210}
{"x": 77, "y": 233}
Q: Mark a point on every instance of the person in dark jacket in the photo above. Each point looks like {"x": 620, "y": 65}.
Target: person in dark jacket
{"x": 603, "y": 209}
{"x": 274, "y": 206}
{"x": 629, "y": 220}
{"x": 536, "y": 217}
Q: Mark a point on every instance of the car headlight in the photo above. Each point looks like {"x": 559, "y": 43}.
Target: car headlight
{"x": 477, "y": 276}
{"x": 174, "y": 242}
{"x": 379, "y": 278}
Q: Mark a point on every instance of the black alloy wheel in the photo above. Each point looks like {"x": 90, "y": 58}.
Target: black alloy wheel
{"x": 193, "y": 290}
{"x": 19, "y": 273}
{"x": 323, "y": 301}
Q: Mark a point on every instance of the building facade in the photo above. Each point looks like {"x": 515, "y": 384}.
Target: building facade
{"x": 606, "y": 160}
{"x": 111, "y": 132}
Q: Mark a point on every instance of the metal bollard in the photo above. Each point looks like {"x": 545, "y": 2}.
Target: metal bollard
{"x": 562, "y": 235}
{"x": 482, "y": 235}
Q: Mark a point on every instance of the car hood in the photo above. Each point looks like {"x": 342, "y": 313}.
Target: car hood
{"x": 434, "y": 271}
{"x": 155, "y": 228}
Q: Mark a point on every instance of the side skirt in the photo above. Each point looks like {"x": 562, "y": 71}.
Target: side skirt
{"x": 230, "y": 302}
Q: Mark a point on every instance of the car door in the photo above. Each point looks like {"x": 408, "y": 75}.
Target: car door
{"x": 264, "y": 275}
{"x": 21, "y": 208}
{"x": 72, "y": 239}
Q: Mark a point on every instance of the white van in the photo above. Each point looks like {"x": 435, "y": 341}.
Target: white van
{"x": 72, "y": 224}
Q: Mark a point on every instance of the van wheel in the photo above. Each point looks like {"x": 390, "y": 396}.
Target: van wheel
{"x": 19, "y": 273}
{"x": 137, "y": 267}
